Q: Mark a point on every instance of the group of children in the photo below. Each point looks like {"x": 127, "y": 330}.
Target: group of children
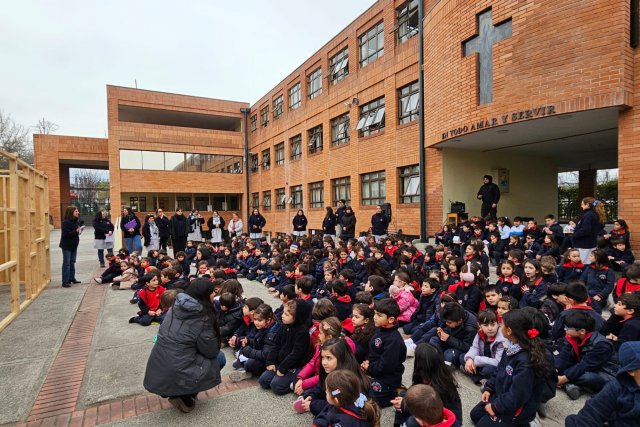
{"x": 352, "y": 312}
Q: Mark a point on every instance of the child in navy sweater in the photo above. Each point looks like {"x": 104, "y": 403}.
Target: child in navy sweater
{"x": 624, "y": 323}
{"x": 619, "y": 255}
{"x": 599, "y": 279}
{"x": 455, "y": 339}
{"x": 572, "y": 267}
{"x": 427, "y": 304}
{"x": 387, "y": 353}
{"x": 340, "y": 299}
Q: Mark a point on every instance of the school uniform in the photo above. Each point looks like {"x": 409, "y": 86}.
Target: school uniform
{"x": 259, "y": 349}
{"x": 535, "y": 295}
{"x": 426, "y": 306}
{"x": 621, "y": 259}
{"x": 148, "y": 300}
{"x": 387, "y": 353}
{"x": 508, "y": 288}
{"x": 486, "y": 354}
{"x": 230, "y": 320}
{"x": 557, "y": 330}
{"x": 623, "y": 285}
{"x": 469, "y": 296}
{"x": 599, "y": 283}
{"x": 570, "y": 271}
{"x": 343, "y": 305}
{"x": 460, "y": 340}
{"x": 349, "y": 416}
{"x": 625, "y": 330}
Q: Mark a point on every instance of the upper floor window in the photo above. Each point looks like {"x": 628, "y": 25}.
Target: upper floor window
{"x": 264, "y": 116}
{"x": 315, "y": 139}
{"x": 409, "y": 184}
{"x": 295, "y": 96}
{"x": 339, "y": 66}
{"x": 408, "y": 97}
{"x": 254, "y": 162}
{"x": 371, "y": 44}
{"x": 407, "y": 21}
{"x": 295, "y": 144}
{"x": 266, "y": 200}
{"x": 314, "y": 83}
{"x": 266, "y": 159}
{"x": 340, "y": 130}
{"x": 254, "y": 123}
{"x": 279, "y": 149}
{"x": 278, "y": 105}
{"x": 371, "y": 117}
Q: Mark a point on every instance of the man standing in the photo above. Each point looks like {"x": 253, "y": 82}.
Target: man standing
{"x": 164, "y": 227}
{"x": 489, "y": 193}
{"x": 179, "y": 231}
{"x": 339, "y": 214}
{"x": 379, "y": 225}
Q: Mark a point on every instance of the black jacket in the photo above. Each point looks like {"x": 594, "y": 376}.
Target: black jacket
{"x": 596, "y": 354}
{"x": 262, "y": 346}
{"x": 212, "y": 226}
{"x": 184, "y": 359}
{"x": 102, "y": 227}
{"x": 426, "y": 308}
{"x": 256, "y": 222}
{"x": 136, "y": 228}
{"x": 231, "y": 319}
{"x": 179, "y": 227}
{"x": 329, "y": 224}
{"x": 489, "y": 193}
{"x": 585, "y": 235}
{"x": 292, "y": 342}
{"x": 69, "y": 237}
{"x": 461, "y": 338}
{"x": 379, "y": 224}
{"x": 387, "y": 353}
{"x": 300, "y": 223}
{"x": 164, "y": 225}
{"x": 348, "y": 223}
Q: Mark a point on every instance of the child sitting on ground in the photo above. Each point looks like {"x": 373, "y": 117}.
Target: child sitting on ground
{"x": 455, "y": 339}
{"x": 247, "y": 329}
{"x": 363, "y": 329}
{"x": 149, "y": 302}
{"x": 423, "y": 402}
{"x": 230, "y": 316}
{"x": 406, "y": 301}
{"x": 340, "y": 299}
{"x": 127, "y": 278}
{"x": 429, "y": 298}
{"x": 483, "y": 357}
{"x": 624, "y": 323}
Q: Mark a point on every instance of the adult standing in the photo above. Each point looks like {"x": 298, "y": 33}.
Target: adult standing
{"x": 340, "y": 210}
{"x": 130, "y": 226}
{"x": 179, "y": 232}
{"x": 489, "y": 193}
{"x": 256, "y": 223}
{"x": 69, "y": 241}
{"x": 102, "y": 227}
{"x": 235, "y": 226}
{"x": 164, "y": 226}
{"x": 184, "y": 360}
{"x": 300, "y": 224}
{"x": 585, "y": 235}
{"x": 216, "y": 225}
{"x": 348, "y": 223}
{"x": 151, "y": 233}
{"x": 195, "y": 226}
{"x": 379, "y": 225}
{"x": 329, "y": 223}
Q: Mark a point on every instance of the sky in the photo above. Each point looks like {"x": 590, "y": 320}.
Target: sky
{"x": 58, "y": 56}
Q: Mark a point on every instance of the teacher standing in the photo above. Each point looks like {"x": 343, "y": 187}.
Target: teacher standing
{"x": 130, "y": 225}
{"x": 102, "y": 227}
{"x": 585, "y": 235}
{"x": 489, "y": 193}
{"x": 216, "y": 225}
{"x": 69, "y": 241}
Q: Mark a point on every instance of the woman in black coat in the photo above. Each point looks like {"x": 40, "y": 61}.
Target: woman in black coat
{"x": 164, "y": 226}
{"x": 590, "y": 226}
{"x": 348, "y": 223}
{"x": 184, "y": 361}
{"x": 300, "y": 224}
{"x": 102, "y": 227}
{"x": 69, "y": 241}
{"x": 256, "y": 223}
{"x": 329, "y": 223}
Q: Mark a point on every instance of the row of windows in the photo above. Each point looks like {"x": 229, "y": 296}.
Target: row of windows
{"x": 179, "y": 162}
{"x": 370, "y": 48}
{"x": 372, "y": 121}
{"x": 170, "y": 202}
{"x": 373, "y": 191}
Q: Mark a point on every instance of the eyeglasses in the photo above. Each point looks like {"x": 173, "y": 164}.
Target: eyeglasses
{"x": 568, "y": 328}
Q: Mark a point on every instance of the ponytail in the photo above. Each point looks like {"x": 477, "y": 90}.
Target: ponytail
{"x": 371, "y": 412}
{"x": 526, "y": 335}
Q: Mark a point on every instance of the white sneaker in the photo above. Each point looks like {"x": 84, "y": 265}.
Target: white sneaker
{"x": 411, "y": 350}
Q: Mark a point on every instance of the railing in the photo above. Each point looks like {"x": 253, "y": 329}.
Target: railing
{"x": 24, "y": 234}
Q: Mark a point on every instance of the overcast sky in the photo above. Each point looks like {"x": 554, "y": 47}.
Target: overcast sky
{"x": 58, "y": 56}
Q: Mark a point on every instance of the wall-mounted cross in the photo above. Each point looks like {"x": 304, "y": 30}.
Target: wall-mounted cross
{"x": 482, "y": 44}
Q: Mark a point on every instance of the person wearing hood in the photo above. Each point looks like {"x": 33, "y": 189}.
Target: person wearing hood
{"x": 489, "y": 193}
{"x": 179, "y": 231}
{"x": 291, "y": 348}
{"x": 230, "y": 315}
{"x": 348, "y": 224}
{"x": 618, "y": 403}
{"x": 184, "y": 361}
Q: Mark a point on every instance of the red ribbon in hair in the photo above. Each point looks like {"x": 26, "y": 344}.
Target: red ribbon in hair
{"x": 533, "y": 333}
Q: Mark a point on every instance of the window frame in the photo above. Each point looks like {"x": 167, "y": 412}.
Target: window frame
{"x": 370, "y": 123}
{"x": 264, "y": 116}
{"x": 406, "y": 13}
{"x": 315, "y": 77}
{"x": 316, "y": 195}
{"x": 407, "y": 95}
{"x": 279, "y": 149}
{"x": 295, "y": 141}
{"x": 255, "y": 200}
{"x": 373, "y": 33}
{"x": 339, "y": 66}
{"x": 266, "y": 159}
{"x": 281, "y": 202}
{"x": 295, "y": 91}
{"x": 341, "y": 189}
{"x": 253, "y": 163}
{"x": 254, "y": 122}
{"x": 373, "y": 178}
{"x": 408, "y": 172}
{"x": 315, "y": 140}
{"x": 278, "y": 107}
{"x": 297, "y": 197}
{"x": 336, "y": 122}
{"x": 266, "y": 200}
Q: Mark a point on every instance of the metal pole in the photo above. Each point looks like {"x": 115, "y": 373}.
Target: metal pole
{"x": 423, "y": 180}
{"x": 246, "y": 112}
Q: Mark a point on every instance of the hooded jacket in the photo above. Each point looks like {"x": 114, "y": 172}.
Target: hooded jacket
{"x": 184, "y": 358}
{"x": 292, "y": 342}
{"x": 489, "y": 193}
{"x": 231, "y": 319}
{"x": 619, "y": 401}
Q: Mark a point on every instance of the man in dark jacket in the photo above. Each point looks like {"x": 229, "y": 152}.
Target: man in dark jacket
{"x": 379, "y": 225}
{"x": 179, "y": 231}
{"x": 489, "y": 193}
{"x": 164, "y": 227}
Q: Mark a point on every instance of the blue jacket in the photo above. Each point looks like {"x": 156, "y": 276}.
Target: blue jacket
{"x": 557, "y": 331}
{"x": 569, "y": 271}
{"x": 387, "y": 353}
{"x": 262, "y": 346}
{"x": 461, "y": 338}
{"x": 585, "y": 235}
{"x": 469, "y": 297}
{"x": 599, "y": 281}
{"x": 426, "y": 307}
{"x": 619, "y": 401}
{"x": 535, "y": 295}
{"x": 595, "y": 354}
{"x": 345, "y": 417}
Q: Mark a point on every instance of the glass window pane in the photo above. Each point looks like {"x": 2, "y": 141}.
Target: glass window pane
{"x": 153, "y": 160}
{"x": 130, "y": 159}
{"x": 174, "y": 161}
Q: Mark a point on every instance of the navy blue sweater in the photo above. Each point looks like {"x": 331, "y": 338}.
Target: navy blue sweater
{"x": 387, "y": 353}
{"x": 585, "y": 235}
{"x": 599, "y": 281}
{"x": 594, "y": 354}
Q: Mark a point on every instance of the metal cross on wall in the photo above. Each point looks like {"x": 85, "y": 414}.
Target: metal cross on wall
{"x": 482, "y": 44}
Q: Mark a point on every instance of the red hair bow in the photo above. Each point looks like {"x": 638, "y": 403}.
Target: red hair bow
{"x": 533, "y": 333}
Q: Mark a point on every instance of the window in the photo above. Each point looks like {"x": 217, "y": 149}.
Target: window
{"x": 409, "y": 184}
{"x": 254, "y": 163}
{"x": 153, "y": 160}
{"x": 255, "y": 200}
{"x": 315, "y": 139}
{"x": 138, "y": 203}
{"x": 295, "y": 97}
{"x": 278, "y": 105}
{"x": 266, "y": 159}
{"x": 225, "y": 202}
{"x": 295, "y": 145}
{"x": 296, "y": 196}
{"x": 341, "y": 189}
{"x": 279, "y": 149}
{"x": 281, "y": 198}
{"x": 254, "y": 123}
{"x": 340, "y": 130}
{"x": 339, "y": 66}
{"x": 179, "y": 162}
{"x": 374, "y": 188}
{"x": 314, "y": 83}
{"x": 266, "y": 200}
{"x": 316, "y": 194}
{"x": 201, "y": 203}
{"x": 371, "y": 44}
{"x": 174, "y": 162}
{"x": 408, "y": 105}
{"x": 407, "y": 21}
{"x": 183, "y": 203}
{"x": 371, "y": 117}
{"x": 264, "y": 116}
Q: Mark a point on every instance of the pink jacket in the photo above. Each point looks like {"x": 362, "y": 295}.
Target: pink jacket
{"x": 408, "y": 304}
{"x": 127, "y": 279}
{"x": 310, "y": 374}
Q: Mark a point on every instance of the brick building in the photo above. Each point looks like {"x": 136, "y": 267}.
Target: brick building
{"x": 519, "y": 89}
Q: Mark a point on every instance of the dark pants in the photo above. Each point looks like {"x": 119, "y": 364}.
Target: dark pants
{"x": 101, "y": 255}
{"x": 480, "y": 418}
{"x": 69, "y": 265}
{"x": 594, "y": 381}
{"x": 424, "y": 334}
{"x": 146, "y": 319}
{"x": 451, "y": 355}
{"x": 179, "y": 244}
{"x": 279, "y": 385}
{"x": 382, "y": 393}
{"x": 255, "y": 367}
{"x": 483, "y": 372}
{"x": 598, "y": 305}
{"x": 487, "y": 210}
{"x": 163, "y": 242}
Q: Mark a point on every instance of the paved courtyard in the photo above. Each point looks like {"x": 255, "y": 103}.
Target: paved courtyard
{"x": 73, "y": 359}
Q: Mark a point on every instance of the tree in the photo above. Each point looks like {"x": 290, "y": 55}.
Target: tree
{"x": 14, "y": 139}
{"x": 46, "y": 127}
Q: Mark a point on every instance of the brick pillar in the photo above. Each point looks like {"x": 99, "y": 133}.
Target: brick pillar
{"x": 435, "y": 214}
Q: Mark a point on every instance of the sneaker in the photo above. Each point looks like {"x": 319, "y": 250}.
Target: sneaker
{"x": 411, "y": 350}
{"x": 66, "y": 285}
{"x": 297, "y": 405}
{"x": 76, "y": 281}
{"x": 181, "y": 404}
{"x": 573, "y": 391}
{"x": 239, "y": 375}
{"x": 132, "y": 320}
{"x": 133, "y": 300}
{"x": 98, "y": 280}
